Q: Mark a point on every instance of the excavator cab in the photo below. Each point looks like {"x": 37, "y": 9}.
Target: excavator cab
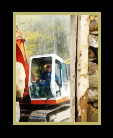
{"x": 48, "y": 87}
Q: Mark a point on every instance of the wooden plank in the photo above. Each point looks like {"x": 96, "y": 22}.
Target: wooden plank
{"x": 83, "y": 103}
{"x": 73, "y": 24}
{"x": 82, "y": 66}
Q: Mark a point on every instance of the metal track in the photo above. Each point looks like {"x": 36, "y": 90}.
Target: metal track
{"x": 45, "y": 113}
{"x": 57, "y": 114}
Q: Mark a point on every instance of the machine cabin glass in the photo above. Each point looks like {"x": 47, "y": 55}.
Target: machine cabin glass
{"x": 64, "y": 79}
{"x": 40, "y": 84}
{"x": 64, "y": 73}
{"x": 58, "y": 80}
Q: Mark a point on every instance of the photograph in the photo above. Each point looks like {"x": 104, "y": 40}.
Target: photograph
{"x": 57, "y": 77}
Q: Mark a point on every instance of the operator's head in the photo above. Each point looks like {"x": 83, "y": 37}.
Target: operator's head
{"x": 48, "y": 68}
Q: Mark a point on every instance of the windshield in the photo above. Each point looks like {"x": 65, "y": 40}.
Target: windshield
{"x": 40, "y": 86}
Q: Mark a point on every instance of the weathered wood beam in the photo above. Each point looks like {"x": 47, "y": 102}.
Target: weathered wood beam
{"x": 73, "y": 24}
{"x": 82, "y": 66}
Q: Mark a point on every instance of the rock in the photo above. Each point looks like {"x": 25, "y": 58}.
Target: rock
{"x": 95, "y": 104}
{"x": 20, "y": 80}
{"x": 93, "y": 40}
{"x": 92, "y": 113}
{"x": 93, "y": 80}
{"x": 95, "y": 61}
{"x": 91, "y": 64}
{"x": 93, "y": 17}
{"x": 92, "y": 67}
{"x": 92, "y": 52}
{"x": 91, "y": 59}
{"x": 93, "y": 23}
{"x": 94, "y": 33}
{"x": 92, "y": 95}
{"x": 17, "y": 112}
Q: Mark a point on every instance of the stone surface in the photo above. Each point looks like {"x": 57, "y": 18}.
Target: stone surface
{"x": 95, "y": 104}
{"x": 17, "y": 112}
{"x": 92, "y": 52}
{"x": 93, "y": 40}
{"x": 93, "y": 23}
{"x": 92, "y": 95}
{"x": 91, "y": 64}
{"x": 20, "y": 80}
{"x": 93, "y": 80}
{"x": 92, "y": 114}
{"x": 92, "y": 67}
{"x": 91, "y": 59}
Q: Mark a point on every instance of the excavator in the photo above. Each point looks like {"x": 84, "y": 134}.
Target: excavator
{"x": 54, "y": 106}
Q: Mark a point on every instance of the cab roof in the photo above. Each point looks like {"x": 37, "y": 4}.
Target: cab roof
{"x": 48, "y": 55}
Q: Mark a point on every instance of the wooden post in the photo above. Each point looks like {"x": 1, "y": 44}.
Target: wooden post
{"x": 73, "y": 27}
{"x": 82, "y": 67}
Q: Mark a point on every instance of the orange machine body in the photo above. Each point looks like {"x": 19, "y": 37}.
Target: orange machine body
{"x": 22, "y": 57}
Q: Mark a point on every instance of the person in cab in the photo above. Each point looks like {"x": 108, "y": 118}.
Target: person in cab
{"x": 45, "y": 80}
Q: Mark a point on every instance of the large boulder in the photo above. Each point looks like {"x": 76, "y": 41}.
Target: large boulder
{"x": 20, "y": 80}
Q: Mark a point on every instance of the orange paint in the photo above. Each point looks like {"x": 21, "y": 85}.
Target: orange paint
{"x": 62, "y": 100}
{"x": 49, "y": 101}
{"x": 20, "y": 57}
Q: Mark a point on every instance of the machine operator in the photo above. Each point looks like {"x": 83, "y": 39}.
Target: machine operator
{"x": 45, "y": 79}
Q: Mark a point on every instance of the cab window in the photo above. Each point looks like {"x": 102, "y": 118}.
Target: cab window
{"x": 64, "y": 72}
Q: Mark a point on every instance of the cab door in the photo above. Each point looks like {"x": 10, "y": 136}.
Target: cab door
{"x": 64, "y": 80}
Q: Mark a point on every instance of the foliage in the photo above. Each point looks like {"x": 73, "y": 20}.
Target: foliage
{"x": 45, "y": 34}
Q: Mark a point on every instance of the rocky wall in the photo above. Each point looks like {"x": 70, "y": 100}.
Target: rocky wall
{"x": 92, "y": 95}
